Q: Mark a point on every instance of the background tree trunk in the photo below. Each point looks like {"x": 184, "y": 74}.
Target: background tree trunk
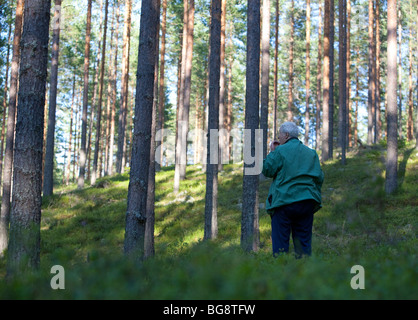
{"x": 25, "y": 218}
{"x": 249, "y": 220}
{"x": 372, "y": 77}
{"x": 326, "y": 83}
{"x": 120, "y": 155}
{"x": 319, "y": 82}
{"x": 265, "y": 72}
{"x": 136, "y": 214}
{"x": 291, "y": 49}
{"x": 10, "y": 135}
{"x": 331, "y": 80}
{"x": 83, "y": 153}
{"x": 99, "y": 109}
{"x": 342, "y": 78}
{"x": 161, "y": 88}
{"x": 185, "y": 92}
{"x": 392, "y": 146}
{"x": 223, "y": 145}
{"x": 276, "y": 56}
{"x": 50, "y": 138}
{"x": 308, "y": 70}
{"x": 211, "y": 199}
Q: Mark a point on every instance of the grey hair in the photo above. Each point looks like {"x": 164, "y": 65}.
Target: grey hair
{"x": 290, "y": 128}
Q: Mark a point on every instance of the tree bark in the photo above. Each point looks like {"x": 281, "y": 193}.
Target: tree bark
{"x": 319, "y": 82}
{"x": 136, "y": 214}
{"x": 6, "y": 85}
{"x": 349, "y": 119}
{"x": 83, "y": 153}
{"x": 67, "y": 180}
{"x": 25, "y": 218}
{"x": 326, "y": 83}
{"x": 211, "y": 198}
{"x": 372, "y": 76}
{"x": 50, "y": 138}
{"x": 161, "y": 90}
{"x": 10, "y": 135}
{"x": 185, "y": 91}
{"x": 308, "y": 70}
{"x": 399, "y": 24}
{"x": 331, "y": 80}
{"x": 99, "y": 109}
{"x": 392, "y": 122}
{"x": 342, "y": 78}
{"x": 410, "y": 122}
{"x": 265, "y": 72}
{"x": 291, "y": 49}
{"x": 276, "y": 56}
{"x": 120, "y": 155}
{"x": 223, "y": 145}
{"x": 249, "y": 220}
{"x": 113, "y": 107}
{"x": 378, "y": 133}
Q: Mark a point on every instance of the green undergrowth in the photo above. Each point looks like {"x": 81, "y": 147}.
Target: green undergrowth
{"x": 83, "y": 230}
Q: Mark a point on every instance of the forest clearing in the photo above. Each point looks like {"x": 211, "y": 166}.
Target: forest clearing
{"x": 358, "y": 225}
{"x": 159, "y": 149}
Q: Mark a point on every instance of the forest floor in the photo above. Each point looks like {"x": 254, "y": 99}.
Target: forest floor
{"x": 83, "y": 231}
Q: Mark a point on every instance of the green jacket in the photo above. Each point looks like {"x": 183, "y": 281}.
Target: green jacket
{"x": 296, "y": 174}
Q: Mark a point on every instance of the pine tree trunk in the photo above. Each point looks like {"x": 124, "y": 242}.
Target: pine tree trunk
{"x": 349, "y": 102}
{"x": 180, "y": 124}
{"x": 10, "y": 135}
{"x": 355, "y": 129}
{"x": 94, "y": 98}
{"x": 265, "y": 72}
{"x": 161, "y": 90}
{"x": 308, "y": 70}
{"x": 392, "y": 123}
{"x": 372, "y": 76}
{"x": 331, "y": 81}
{"x": 291, "y": 49}
{"x": 319, "y": 82}
{"x": 416, "y": 108}
{"x": 378, "y": 132}
{"x": 50, "y": 138}
{"x": 25, "y": 217}
{"x": 276, "y": 58}
{"x": 400, "y": 74}
{"x": 249, "y": 220}
{"x": 99, "y": 109}
{"x": 149, "y": 249}
{"x": 136, "y": 214}
{"x": 113, "y": 107}
{"x": 326, "y": 84}
{"x": 6, "y": 85}
{"x": 185, "y": 91}
{"x": 120, "y": 155}
{"x": 410, "y": 122}
{"x": 223, "y": 147}
{"x": 211, "y": 198}
{"x": 342, "y": 78}
{"x": 83, "y": 152}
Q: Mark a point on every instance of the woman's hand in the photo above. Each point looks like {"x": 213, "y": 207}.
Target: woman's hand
{"x": 274, "y": 144}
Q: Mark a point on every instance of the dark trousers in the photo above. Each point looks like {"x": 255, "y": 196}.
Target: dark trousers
{"x": 295, "y": 218}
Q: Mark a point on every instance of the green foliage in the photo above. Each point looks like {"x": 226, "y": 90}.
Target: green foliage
{"x": 359, "y": 225}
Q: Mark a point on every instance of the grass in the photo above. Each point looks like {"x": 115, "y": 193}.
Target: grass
{"x": 358, "y": 225}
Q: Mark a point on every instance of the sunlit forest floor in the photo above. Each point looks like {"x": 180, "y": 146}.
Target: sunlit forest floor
{"x": 358, "y": 225}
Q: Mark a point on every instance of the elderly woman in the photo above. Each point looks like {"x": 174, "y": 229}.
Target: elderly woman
{"x": 295, "y": 193}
